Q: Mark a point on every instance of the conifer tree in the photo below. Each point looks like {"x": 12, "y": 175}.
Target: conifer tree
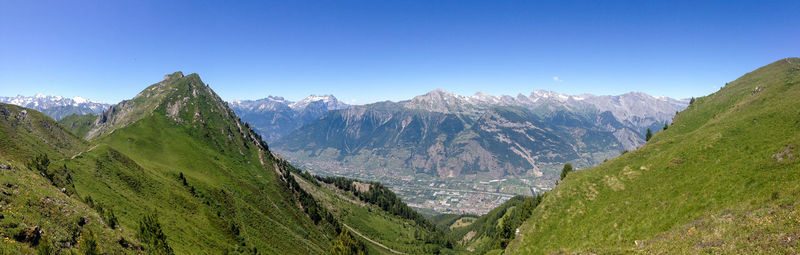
{"x": 566, "y": 170}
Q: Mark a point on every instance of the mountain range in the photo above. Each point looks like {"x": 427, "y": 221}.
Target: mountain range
{"x": 449, "y": 135}
{"x": 439, "y": 134}
{"x": 275, "y": 117}
{"x": 57, "y": 107}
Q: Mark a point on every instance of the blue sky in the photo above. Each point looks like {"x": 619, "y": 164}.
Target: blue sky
{"x": 367, "y": 51}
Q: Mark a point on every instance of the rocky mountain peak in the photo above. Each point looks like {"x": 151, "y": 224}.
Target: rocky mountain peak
{"x": 181, "y": 96}
{"x": 438, "y": 100}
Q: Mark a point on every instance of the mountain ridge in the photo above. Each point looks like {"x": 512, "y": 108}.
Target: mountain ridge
{"x": 478, "y": 116}
{"x": 57, "y": 107}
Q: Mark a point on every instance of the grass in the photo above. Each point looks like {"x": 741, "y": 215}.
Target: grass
{"x": 237, "y": 205}
{"x": 178, "y": 152}
{"x": 482, "y": 235}
{"x": 78, "y": 124}
{"x": 34, "y": 210}
{"x": 399, "y": 234}
{"x": 231, "y": 203}
{"x": 708, "y": 183}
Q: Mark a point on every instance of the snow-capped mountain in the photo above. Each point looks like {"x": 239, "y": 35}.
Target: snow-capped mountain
{"x": 57, "y": 107}
{"x": 630, "y": 108}
{"x": 273, "y": 117}
{"x": 447, "y": 134}
{"x": 327, "y": 101}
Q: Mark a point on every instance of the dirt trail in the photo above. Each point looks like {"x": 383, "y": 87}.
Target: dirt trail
{"x": 370, "y": 240}
{"x": 90, "y": 149}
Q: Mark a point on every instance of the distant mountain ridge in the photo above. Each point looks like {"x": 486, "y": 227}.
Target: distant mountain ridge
{"x": 274, "y": 117}
{"x": 57, "y": 107}
{"x": 626, "y": 107}
{"x": 450, "y": 135}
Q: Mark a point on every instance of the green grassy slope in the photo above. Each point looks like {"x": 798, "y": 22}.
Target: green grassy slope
{"x": 25, "y": 132}
{"x": 712, "y": 182}
{"x": 230, "y": 202}
{"x": 491, "y": 232}
{"x": 34, "y": 211}
{"x": 78, "y": 124}
{"x": 396, "y": 233}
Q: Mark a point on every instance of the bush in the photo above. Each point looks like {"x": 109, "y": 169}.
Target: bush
{"x": 40, "y": 162}
{"x": 88, "y": 244}
{"x": 45, "y": 248}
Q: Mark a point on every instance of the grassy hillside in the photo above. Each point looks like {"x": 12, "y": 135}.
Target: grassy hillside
{"x": 39, "y": 207}
{"x": 78, "y": 124}
{"x": 191, "y": 161}
{"x": 395, "y": 226}
{"x": 724, "y": 178}
{"x": 491, "y": 232}
{"x": 173, "y": 170}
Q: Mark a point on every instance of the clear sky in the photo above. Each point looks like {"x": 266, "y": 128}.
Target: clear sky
{"x": 367, "y": 51}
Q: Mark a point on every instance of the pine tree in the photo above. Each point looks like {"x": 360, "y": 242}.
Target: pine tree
{"x": 566, "y": 170}
{"x": 665, "y": 126}
{"x": 648, "y": 135}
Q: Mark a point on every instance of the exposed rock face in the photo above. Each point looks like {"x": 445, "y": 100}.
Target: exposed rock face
{"x": 450, "y": 135}
{"x": 128, "y": 111}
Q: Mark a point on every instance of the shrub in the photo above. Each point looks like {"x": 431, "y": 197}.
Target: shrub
{"x": 88, "y": 244}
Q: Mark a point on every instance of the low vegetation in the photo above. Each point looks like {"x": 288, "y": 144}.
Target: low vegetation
{"x": 718, "y": 180}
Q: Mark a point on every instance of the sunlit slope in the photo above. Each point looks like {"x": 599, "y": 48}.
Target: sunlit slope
{"x": 382, "y": 231}
{"x": 724, "y": 178}
{"x": 26, "y": 132}
{"x": 229, "y": 202}
{"x": 78, "y": 124}
{"x": 38, "y": 205}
